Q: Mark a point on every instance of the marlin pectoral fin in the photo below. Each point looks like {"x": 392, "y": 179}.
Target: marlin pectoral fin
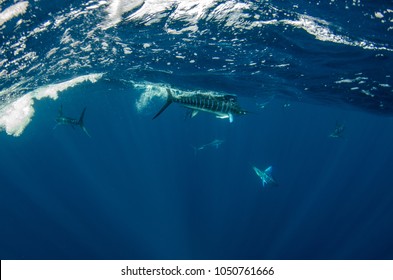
{"x": 230, "y": 117}
{"x": 190, "y": 113}
{"x": 194, "y": 113}
{"x": 85, "y": 130}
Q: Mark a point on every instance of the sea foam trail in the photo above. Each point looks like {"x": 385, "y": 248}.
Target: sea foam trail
{"x": 13, "y": 11}
{"x": 117, "y": 8}
{"x": 17, "y": 114}
{"x": 149, "y": 92}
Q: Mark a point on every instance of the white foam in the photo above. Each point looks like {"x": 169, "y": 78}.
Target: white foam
{"x": 321, "y": 31}
{"x": 59, "y": 20}
{"x": 190, "y": 12}
{"x": 367, "y": 92}
{"x": 66, "y": 38}
{"x": 52, "y": 91}
{"x": 232, "y": 13}
{"x": 150, "y": 91}
{"x": 43, "y": 27}
{"x": 117, "y": 8}
{"x": 235, "y": 14}
{"x": 149, "y": 12}
{"x": 152, "y": 11}
{"x": 96, "y": 6}
{"x": 318, "y": 28}
{"x": 17, "y": 114}
{"x": 51, "y": 52}
{"x": 378, "y": 15}
{"x": 13, "y": 11}
{"x": 360, "y": 80}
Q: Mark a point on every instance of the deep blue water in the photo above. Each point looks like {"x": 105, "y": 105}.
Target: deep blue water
{"x": 137, "y": 189}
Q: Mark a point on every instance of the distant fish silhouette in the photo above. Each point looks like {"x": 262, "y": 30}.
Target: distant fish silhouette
{"x": 215, "y": 143}
{"x": 62, "y": 120}
{"x": 338, "y": 131}
{"x": 266, "y": 176}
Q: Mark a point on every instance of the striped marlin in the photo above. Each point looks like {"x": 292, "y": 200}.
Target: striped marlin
{"x": 224, "y": 106}
{"x": 61, "y": 119}
{"x": 265, "y": 175}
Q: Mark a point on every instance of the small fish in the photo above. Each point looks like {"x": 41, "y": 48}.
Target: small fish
{"x": 338, "y": 131}
{"x": 266, "y": 176}
{"x": 223, "y": 106}
{"x": 61, "y": 119}
{"x": 215, "y": 143}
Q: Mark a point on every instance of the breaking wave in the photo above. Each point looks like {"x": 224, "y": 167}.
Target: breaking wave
{"x": 18, "y": 113}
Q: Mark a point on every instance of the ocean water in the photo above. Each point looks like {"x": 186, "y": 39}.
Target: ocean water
{"x": 158, "y": 189}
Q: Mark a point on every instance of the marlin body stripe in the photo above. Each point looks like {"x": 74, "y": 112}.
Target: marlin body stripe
{"x": 224, "y": 106}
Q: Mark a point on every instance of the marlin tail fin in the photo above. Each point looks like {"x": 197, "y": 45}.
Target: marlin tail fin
{"x": 81, "y": 122}
{"x": 82, "y": 116}
{"x": 168, "y": 102}
{"x": 269, "y": 173}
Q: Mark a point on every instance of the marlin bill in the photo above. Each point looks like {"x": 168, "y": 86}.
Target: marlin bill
{"x": 223, "y": 106}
